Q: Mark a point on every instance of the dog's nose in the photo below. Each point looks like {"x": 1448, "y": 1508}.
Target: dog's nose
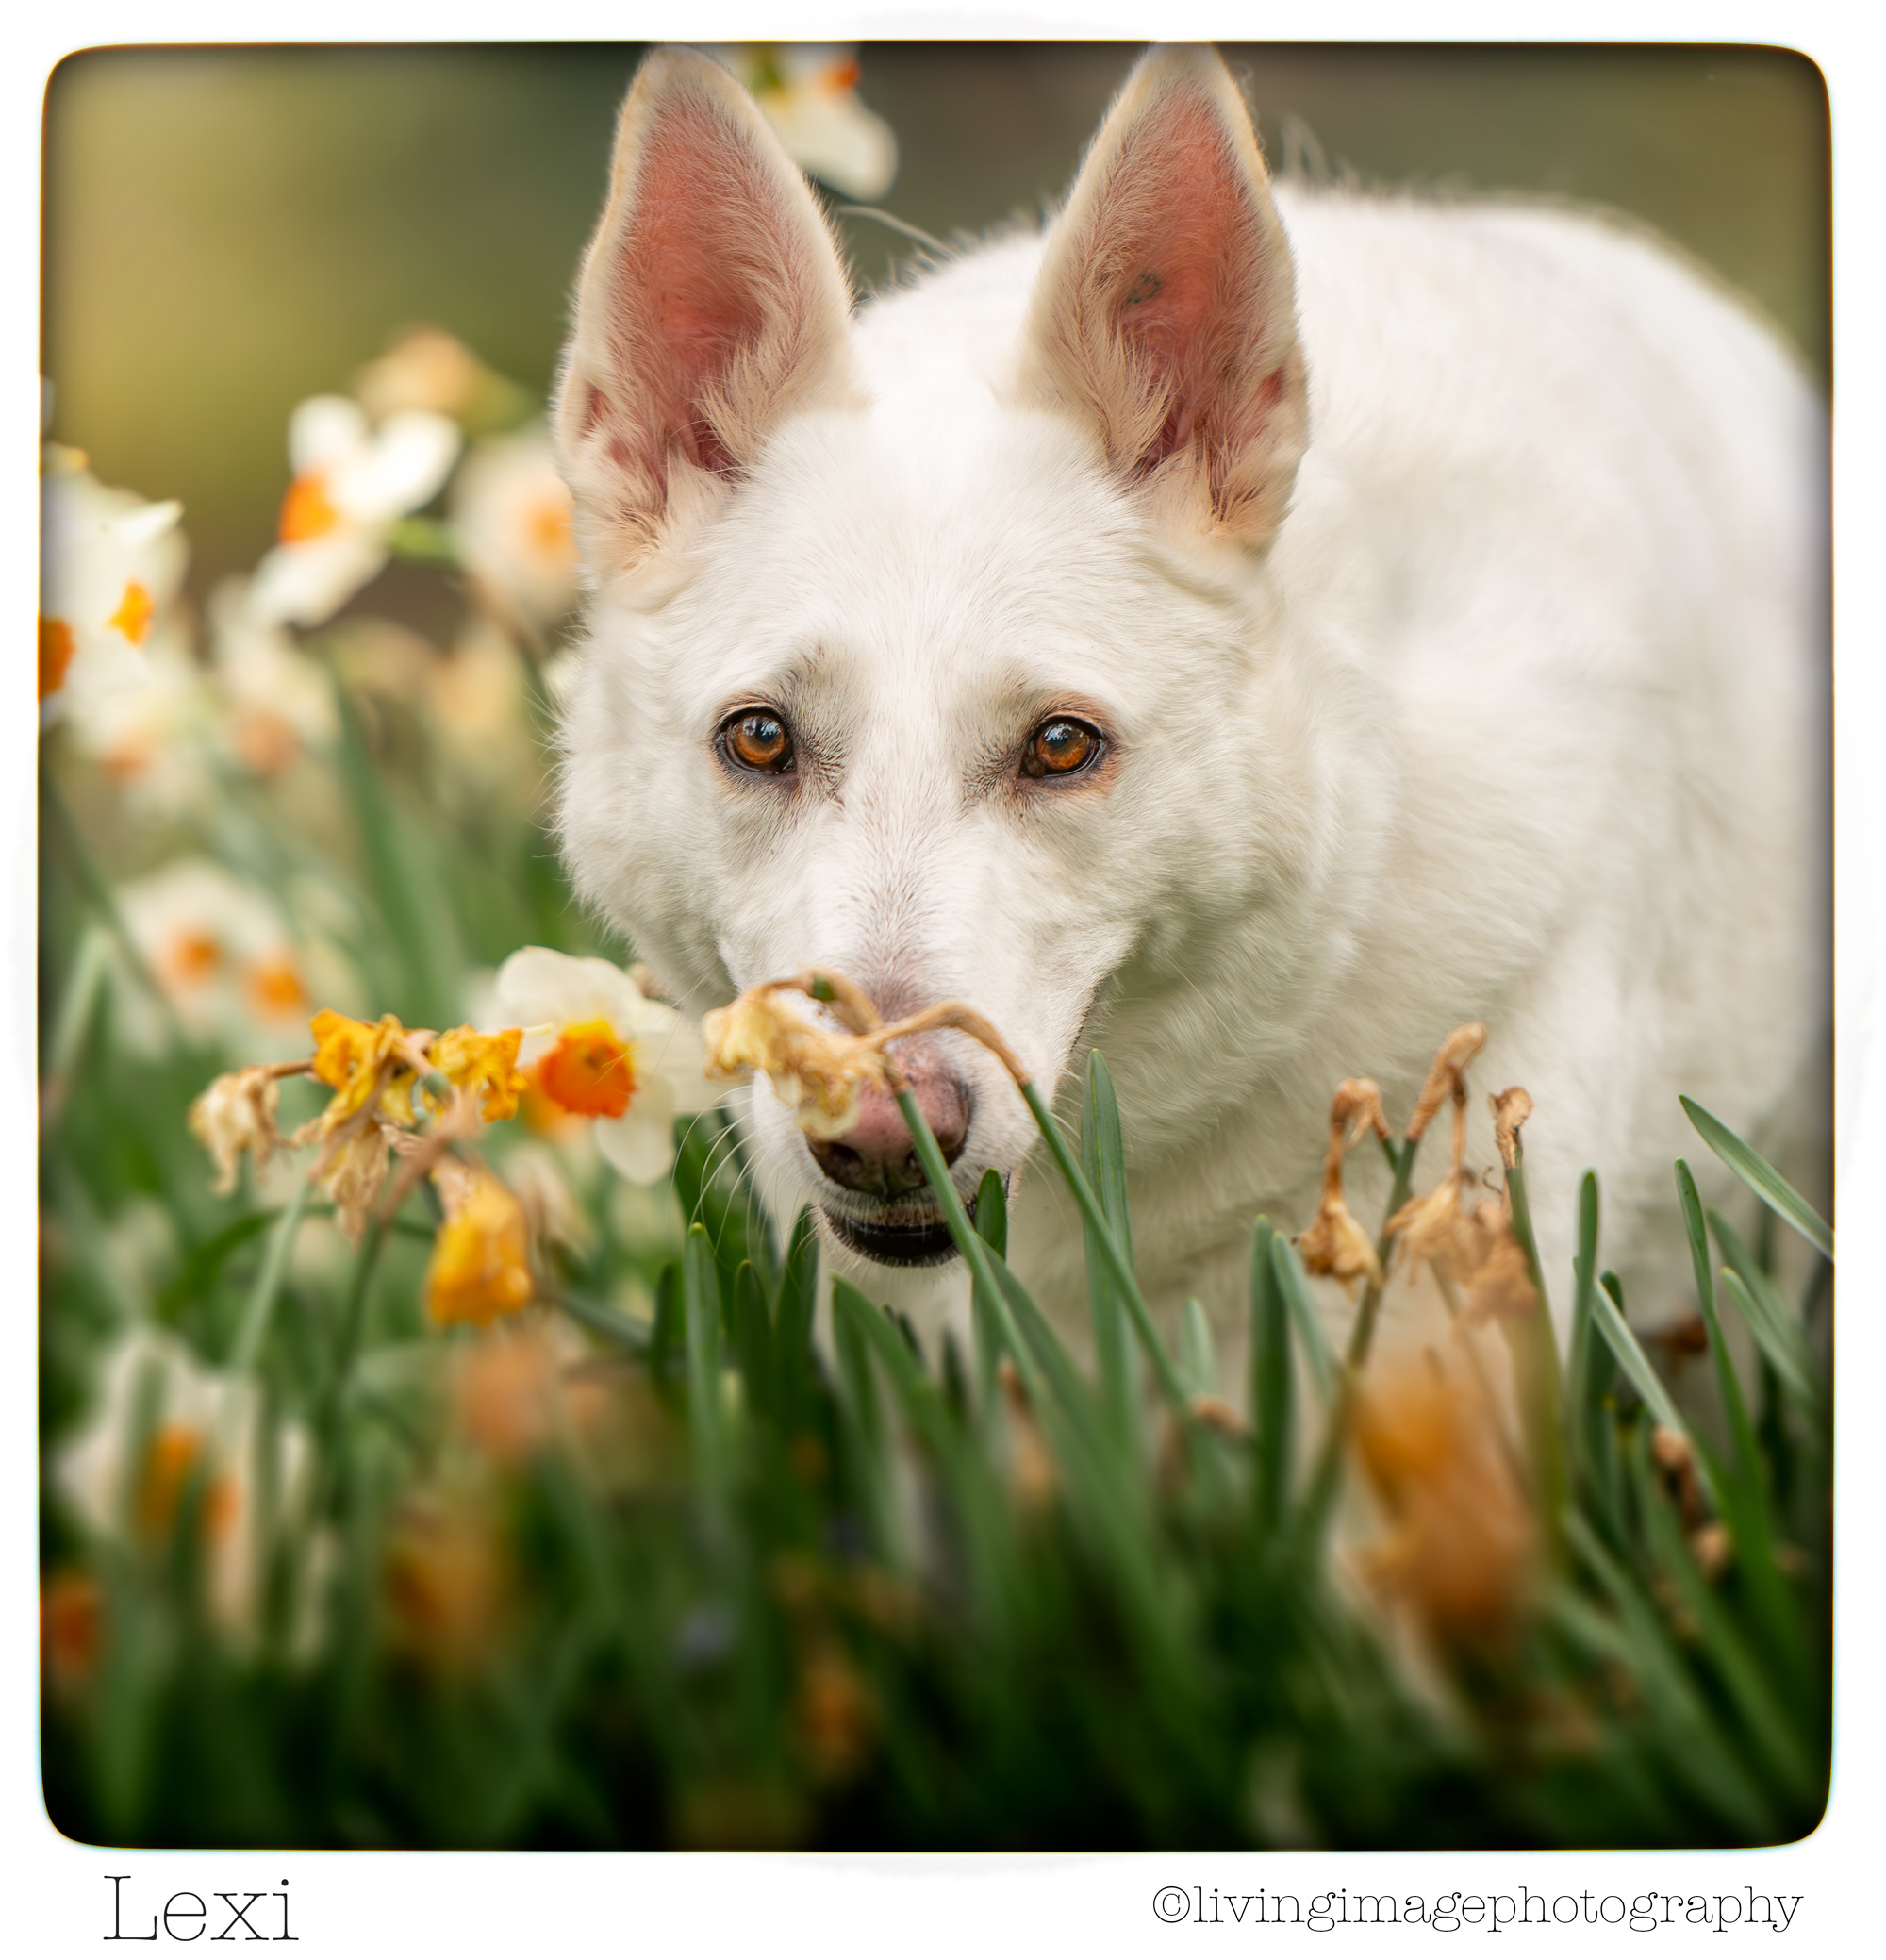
{"x": 876, "y": 1155}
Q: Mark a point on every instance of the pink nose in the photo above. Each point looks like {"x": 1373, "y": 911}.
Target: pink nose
{"x": 876, "y": 1155}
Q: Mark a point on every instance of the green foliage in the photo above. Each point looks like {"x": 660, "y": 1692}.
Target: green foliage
{"x": 792, "y": 1594}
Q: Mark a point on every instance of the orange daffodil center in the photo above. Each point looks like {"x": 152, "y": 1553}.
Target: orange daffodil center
{"x": 57, "y": 644}
{"x": 135, "y": 609}
{"x": 589, "y": 1073}
{"x": 109, "y": 565}
{"x": 306, "y": 511}
{"x": 599, "y": 1047}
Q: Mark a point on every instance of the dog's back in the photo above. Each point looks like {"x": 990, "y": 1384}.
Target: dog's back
{"x": 1503, "y": 702}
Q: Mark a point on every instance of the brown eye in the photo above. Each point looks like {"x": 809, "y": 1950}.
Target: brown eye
{"x": 1060, "y": 747}
{"x": 757, "y": 739}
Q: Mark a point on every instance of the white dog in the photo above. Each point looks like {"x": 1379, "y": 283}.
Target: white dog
{"x": 1247, "y": 628}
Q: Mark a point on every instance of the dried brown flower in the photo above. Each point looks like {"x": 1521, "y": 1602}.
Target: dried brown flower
{"x": 1334, "y": 1244}
{"x": 1446, "y": 1074}
{"x": 236, "y": 1113}
{"x": 1511, "y": 1107}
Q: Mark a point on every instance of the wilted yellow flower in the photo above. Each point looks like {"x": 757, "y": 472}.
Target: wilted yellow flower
{"x": 481, "y": 1261}
{"x": 484, "y": 1064}
{"x": 1461, "y": 1549}
{"x": 817, "y": 1074}
{"x": 357, "y": 1059}
{"x": 354, "y": 1172}
{"x": 236, "y": 1113}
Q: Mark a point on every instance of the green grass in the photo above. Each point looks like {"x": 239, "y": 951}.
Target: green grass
{"x": 863, "y": 1598}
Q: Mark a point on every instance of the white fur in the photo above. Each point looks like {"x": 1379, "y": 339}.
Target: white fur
{"x": 1517, "y": 717}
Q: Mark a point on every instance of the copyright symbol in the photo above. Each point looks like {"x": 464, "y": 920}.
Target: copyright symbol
{"x": 1172, "y": 1903}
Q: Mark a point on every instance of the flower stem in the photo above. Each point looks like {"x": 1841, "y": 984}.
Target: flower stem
{"x": 93, "y": 881}
{"x": 262, "y": 1306}
{"x": 1118, "y": 1262}
{"x": 348, "y": 1347}
{"x": 1362, "y": 1334}
{"x": 969, "y": 1240}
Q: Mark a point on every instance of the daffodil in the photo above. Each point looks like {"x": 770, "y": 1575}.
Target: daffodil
{"x": 220, "y": 951}
{"x": 1334, "y": 1243}
{"x": 597, "y": 1046}
{"x": 162, "y": 1422}
{"x": 808, "y": 93}
{"x": 235, "y": 1115}
{"x": 110, "y": 565}
{"x": 277, "y": 702}
{"x": 485, "y": 1066}
{"x": 510, "y": 522}
{"x": 352, "y": 482}
{"x": 365, "y": 1063}
{"x": 426, "y": 369}
{"x": 1461, "y": 1550}
{"x": 480, "y": 1265}
{"x": 816, "y": 1073}
{"x": 447, "y": 1581}
{"x": 150, "y": 727}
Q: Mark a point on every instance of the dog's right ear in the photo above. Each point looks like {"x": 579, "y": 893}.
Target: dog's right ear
{"x": 712, "y": 302}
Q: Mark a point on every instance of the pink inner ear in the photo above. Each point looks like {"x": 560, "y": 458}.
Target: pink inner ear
{"x": 1182, "y": 249}
{"x": 701, "y": 258}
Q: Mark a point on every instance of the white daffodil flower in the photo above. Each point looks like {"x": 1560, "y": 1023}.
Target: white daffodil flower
{"x": 110, "y": 566}
{"x": 220, "y": 951}
{"x": 597, "y": 1046}
{"x": 163, "y": 1419}
{"x": 148, "y": 726}
{"x": 510, "y": 520}
{"x": 809, "y": 94}
{"x": 351, "y": 483}
{"x": 280, "y": 701}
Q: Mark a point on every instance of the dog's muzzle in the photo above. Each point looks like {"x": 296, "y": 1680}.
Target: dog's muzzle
{"x": 876, "y": 1160}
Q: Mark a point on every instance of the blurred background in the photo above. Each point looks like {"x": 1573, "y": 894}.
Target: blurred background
{"x": 229, "y": 230}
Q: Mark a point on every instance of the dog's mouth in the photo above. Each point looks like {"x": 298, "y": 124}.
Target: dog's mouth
{"x": 903, "y": 1236}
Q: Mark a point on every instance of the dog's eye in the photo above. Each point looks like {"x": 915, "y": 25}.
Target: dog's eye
{"x": 757, "y": 739}
{"x": 1060, "y": 747}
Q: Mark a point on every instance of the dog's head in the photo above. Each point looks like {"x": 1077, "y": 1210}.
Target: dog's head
{"x": 923, "y": 648}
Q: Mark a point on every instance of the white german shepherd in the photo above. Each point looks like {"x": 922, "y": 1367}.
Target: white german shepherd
{"x": 1247, "y": 628}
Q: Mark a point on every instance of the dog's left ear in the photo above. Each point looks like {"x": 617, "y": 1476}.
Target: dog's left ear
{"x": 1164, "y": 315}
